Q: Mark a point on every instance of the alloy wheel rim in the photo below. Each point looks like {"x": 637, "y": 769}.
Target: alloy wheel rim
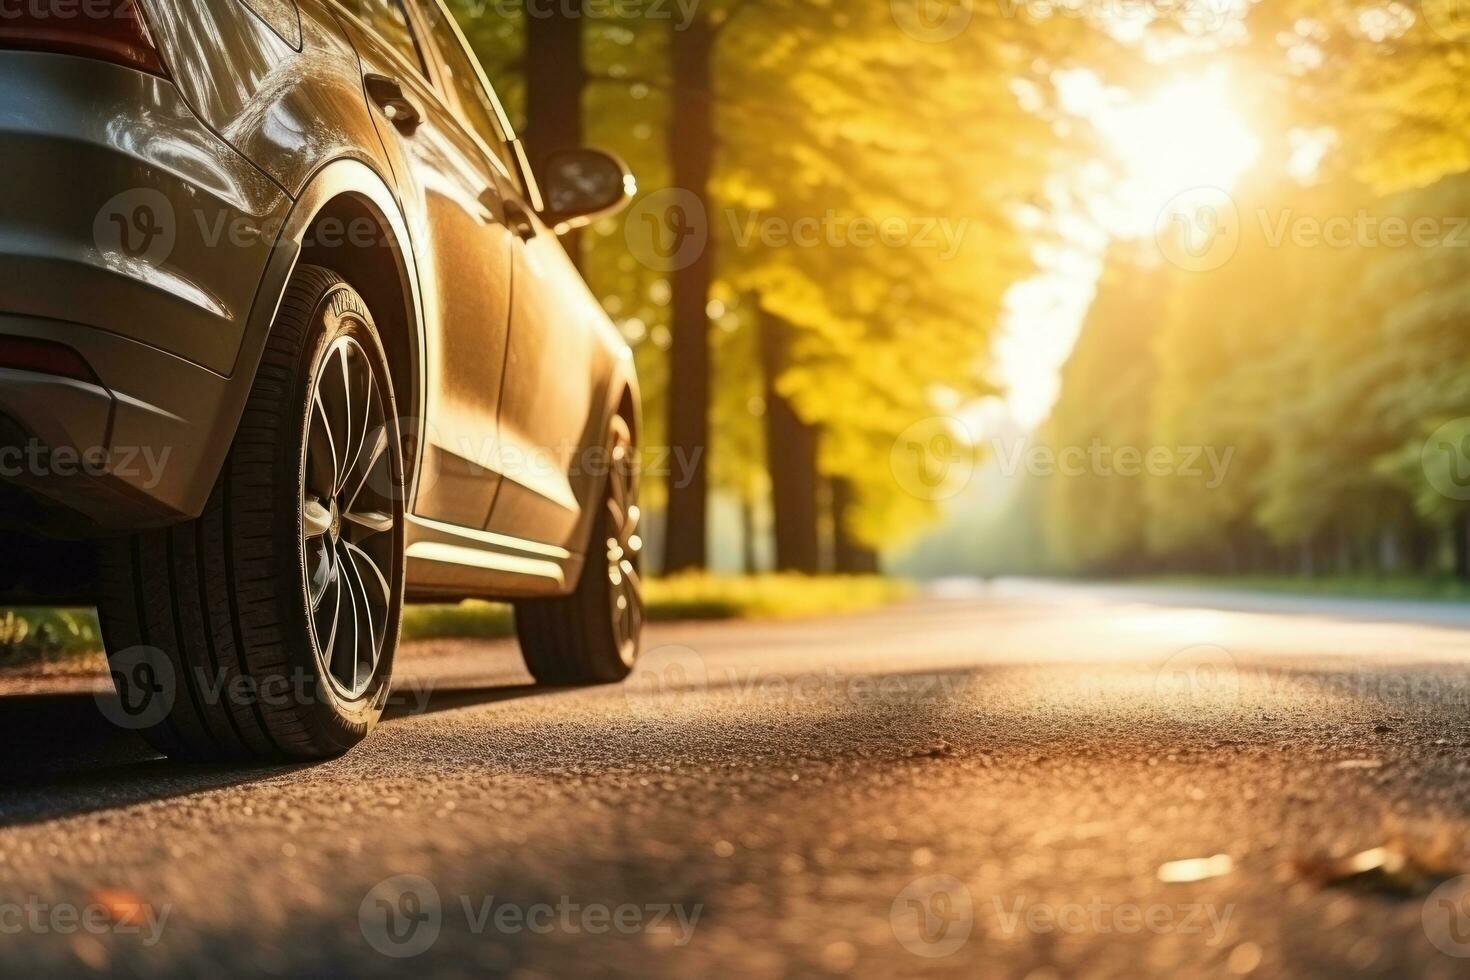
{"x": 347, "y": 519}
{"x": 624, "y": 549}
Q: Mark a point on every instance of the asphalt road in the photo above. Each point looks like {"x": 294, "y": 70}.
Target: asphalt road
{"x": 1008, "y": 782}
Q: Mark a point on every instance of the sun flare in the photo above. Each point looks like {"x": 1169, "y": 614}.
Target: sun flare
{"x": 1184, "y": 136}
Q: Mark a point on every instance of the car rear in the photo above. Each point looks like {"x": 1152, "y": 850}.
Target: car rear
{"x": 133, "y": 238}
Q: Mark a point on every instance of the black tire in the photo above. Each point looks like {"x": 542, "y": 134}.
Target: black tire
{"x": 209, "y": 624}
{"x": 579, "y": 638}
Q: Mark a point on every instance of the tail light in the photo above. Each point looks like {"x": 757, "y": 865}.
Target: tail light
{"x": 44, "y": 357}
{"x": 112, "y": 30}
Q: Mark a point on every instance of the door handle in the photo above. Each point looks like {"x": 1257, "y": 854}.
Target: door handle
{"x": 388, "y": 94}
{"x": 519, "y": 220}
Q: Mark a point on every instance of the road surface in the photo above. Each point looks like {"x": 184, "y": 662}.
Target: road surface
{"x": 1023, "y": 780}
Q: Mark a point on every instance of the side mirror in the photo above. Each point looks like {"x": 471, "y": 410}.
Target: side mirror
{"x": 581, "y": 186}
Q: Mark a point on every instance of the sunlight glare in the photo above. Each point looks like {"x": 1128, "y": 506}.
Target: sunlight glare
{"x": 1184, "y": 136}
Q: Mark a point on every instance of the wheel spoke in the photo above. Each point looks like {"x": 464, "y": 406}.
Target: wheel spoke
{"x": 347, "y": 621}
{"x": 349, "y": 446}
{"x": 378, "y": 579}
{"x": 366, "y": 656}
{"x": 628, "y": 535}
{"x": 336, "y": 398}
{"x": 322, "y": 463}
{"x": 374, "y": 449}
{"x": 322, "y": 577}
{"x": 374, "y": 521}
{"x": 357, "y": 383}
{"x": 334, "y": 584}
{"x": 367, "y": 394}
{"x": 631, "y": 577}
{"x": 316, "y": 520}
{"x": 623, "y": 546}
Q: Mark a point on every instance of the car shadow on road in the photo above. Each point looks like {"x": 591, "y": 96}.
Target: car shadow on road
{"x": 60, "y": 756}
{"x": 413, "y": 704}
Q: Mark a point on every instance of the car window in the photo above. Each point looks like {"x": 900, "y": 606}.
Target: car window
{"x": 389, "y": 21}
{"x": 465, "y": 79}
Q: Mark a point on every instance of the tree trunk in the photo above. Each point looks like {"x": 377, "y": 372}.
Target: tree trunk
{"x": 691, "y": 153}
{"x": 849, "y": 556}
{"x": 791, "y": 458}
{"x": 1306, "y": 557}
{"x": 1420, "y": 549}
{"x": 555, "y": 80}
{"x": 1460, "y": 530}
{"x": 748, "y": 560}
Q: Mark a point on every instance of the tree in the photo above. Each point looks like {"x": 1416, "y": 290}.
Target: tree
{"x": 555, "y": 80}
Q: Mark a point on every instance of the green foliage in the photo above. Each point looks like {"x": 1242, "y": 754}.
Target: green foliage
{"x": 29, "y": 637}
{"x": 1322, "y": 369}
{"x": 906, "y": 162}
{"x": 40, "y": 635}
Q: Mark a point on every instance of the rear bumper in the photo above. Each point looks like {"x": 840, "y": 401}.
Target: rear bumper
{"x": 136, "y": 236}
{"x": 141, "y": 448}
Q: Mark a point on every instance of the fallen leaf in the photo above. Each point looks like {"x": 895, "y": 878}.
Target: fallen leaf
{"x": 121, "y": 906}
{"x": 1379, "y": 869}
{"x": 1196, "y": 869}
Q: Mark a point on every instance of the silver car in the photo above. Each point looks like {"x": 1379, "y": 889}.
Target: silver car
{"x": 288, "y": 338}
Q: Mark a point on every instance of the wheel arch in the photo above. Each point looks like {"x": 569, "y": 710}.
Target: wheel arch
{"x": 347, "y": 220}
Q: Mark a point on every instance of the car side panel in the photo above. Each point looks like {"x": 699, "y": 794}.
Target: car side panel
{"x": 551, "y": 422}
{"x": 465, "y": 263}
{"x": 287, "y": 110}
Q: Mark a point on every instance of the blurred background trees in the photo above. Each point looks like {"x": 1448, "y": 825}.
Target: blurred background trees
{"x": 855, "y": 192}
{"x": 786, "y": 354}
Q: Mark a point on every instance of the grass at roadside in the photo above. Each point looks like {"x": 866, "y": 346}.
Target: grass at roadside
{"x": 40, "y": 636}
{"x": 30, "y": 637}
{"x": 1442, "y": 587}
{"x": 689, "y": 597}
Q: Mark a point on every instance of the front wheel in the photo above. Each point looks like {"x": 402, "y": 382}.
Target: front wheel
{"x": 266, "y": 628}
{"x": 593, "y": 636}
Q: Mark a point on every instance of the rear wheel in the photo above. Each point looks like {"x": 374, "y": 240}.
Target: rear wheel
{"x": 593, "y": 636}
{"x": 266, "y": 628}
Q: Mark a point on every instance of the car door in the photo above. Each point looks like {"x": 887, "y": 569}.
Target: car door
{"x": 547, "y": 400}
{"x": 450, "y": 196}
{"x": 549, "y": 411}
